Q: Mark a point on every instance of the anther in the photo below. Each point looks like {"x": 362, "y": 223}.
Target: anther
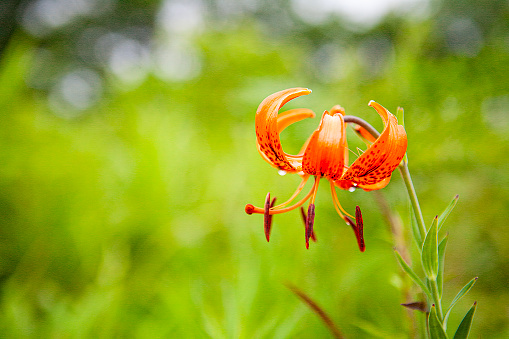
{"x": 360, "y": 229}
{"x": 267, "y": 217}
{"x": 309, "y": 223}
{"x": 357, "y": 227}
{"x": 305, "y": 219}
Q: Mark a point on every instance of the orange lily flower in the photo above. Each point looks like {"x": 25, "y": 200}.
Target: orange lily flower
{"x": 325, "y": 155}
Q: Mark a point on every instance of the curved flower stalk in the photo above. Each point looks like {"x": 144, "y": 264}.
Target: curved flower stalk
{"x": 325, "y": 155}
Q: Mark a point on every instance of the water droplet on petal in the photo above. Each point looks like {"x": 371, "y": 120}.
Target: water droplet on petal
{"x": 281, "y": 172}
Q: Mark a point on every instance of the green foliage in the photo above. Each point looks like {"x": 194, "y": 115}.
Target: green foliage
{"x": 464, "y": 327}
{"x": 413, "y": 275}
{"x": 458, "y": 296}
{"x": 436, "y": 331}
{"x": 429, "y": 253}
{"x": 126, "y": 218}
{"x": 446, "y": 212}
{"x": 441, "y": 265}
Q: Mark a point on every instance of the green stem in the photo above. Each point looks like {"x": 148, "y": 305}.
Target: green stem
{"x": 436, "y": 300}
{"x": 403, "y": 168}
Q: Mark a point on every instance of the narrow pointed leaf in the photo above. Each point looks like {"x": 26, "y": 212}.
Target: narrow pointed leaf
{"x": 436, "y": 331}
{"x": 458, "y": 296}
{"x": 429, "y": 255}
{"x": 447, "y": 211}
{"x": 318, "y": 311}
{"x": 464, "y": 327}
{"x": 417, "y": 306}
{"x": 441, "y": 264}
{"x": 412, "y": 274}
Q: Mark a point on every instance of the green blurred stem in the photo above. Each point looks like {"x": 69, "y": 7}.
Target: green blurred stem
{"x": 403, "y": 168}
{"x": 436, "y": 299}
{"x": 363, "y": 123}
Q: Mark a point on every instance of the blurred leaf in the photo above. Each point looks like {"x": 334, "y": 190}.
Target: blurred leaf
{"x": 436, "y": 331}
{"x": 417, "y": 306}
{"x": 447, "y": 211}
{"x": 317, "y": 309}
{"x": 458, "y": 296}
{"x": 464, "y": 327}
{"x": 441, "y": 264}
{"x": 412, "y": 274}
{"x": 429, "y": 253}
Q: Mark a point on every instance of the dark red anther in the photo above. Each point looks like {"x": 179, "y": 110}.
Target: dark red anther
{"x": 267, "y": 218}
{"x": 359, "y": 233}
{"x": 309, "y": 223}
{"x": 358, "y": 228}
{"x": 305, "y": 219}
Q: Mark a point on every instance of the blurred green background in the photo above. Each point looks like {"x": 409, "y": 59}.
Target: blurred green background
{"x": 128, "y": 154}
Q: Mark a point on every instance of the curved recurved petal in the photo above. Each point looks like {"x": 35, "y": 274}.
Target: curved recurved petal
{"x": 382, "y": 157}
{"x": 377, "y": 186}
{"x": 325, "y": 153}
{"x": 286, "y": 118}
{"x": 267, "y": 130}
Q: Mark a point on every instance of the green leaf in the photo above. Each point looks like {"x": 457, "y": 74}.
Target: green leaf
{"x": 447, "y": 211}
{"x": 436, "y": 331}
{"x": 458, "y": 296}
{"x": 429, "y": 255}
{"x": 464, "y": 327}
{"x": 441, "y": 264}
{"x": 412, "y": 274}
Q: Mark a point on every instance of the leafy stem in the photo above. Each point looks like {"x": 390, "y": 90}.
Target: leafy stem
{"x": 405, "y": 173}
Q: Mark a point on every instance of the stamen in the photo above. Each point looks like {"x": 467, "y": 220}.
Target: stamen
{"x": 298, "y": 204}
{"x": 267, "y": 218}
{"x": 336, "y": 203}
{"x": 309, "y": 223}
{"x": 304, "y": 216}
{"x": 250, "y": 209}
{"x": 305, "y": 219}
{"x": 294, "y": 195}
{"x": 360, "y": 229}
{"x": 357, "y": 229}
{"x": 314, "y": 190}
{"x": 351, "y": 151}
{"x": 310, "y": 220}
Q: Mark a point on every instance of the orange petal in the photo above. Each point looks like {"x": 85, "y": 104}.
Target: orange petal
{"x": 382, "y": 157}
{"x": 286, "y": 118}
{"x": 377, "y": 186}
{"x": 267, "y": 130}
{"x": 325, "y": 153}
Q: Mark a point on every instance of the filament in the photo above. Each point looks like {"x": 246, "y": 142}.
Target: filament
{"x": 299, "y": 189}
{"x": 314, "y": 190}
{"x": 336, "y": 203}
{"x": 250, "y": 209}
